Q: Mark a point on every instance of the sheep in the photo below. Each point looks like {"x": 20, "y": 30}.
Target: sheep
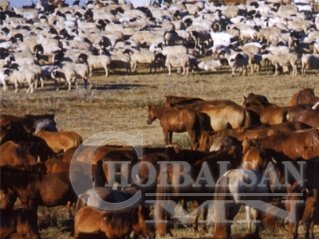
{"x": 316, "y": 47}
{"x": 4, "y": 78}
{"x": 95, "y": 62}
{"x": 67, "y": 73}
{"x": 283, "y": 60}
{"x": 211, "y": 65}
{"x": 238, "y": 60}
{"x": 176, "y": 61}
{"x": 169, "y": 50}
{"x": 23, "y": 75}
{"x": 142, "y": 57}
{"x": 309, "y": 61}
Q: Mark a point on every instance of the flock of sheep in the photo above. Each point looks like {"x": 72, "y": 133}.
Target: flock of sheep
{"x": 66, "y": 44}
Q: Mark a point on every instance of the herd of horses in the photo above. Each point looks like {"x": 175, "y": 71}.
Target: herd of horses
{"x": 36, "y": 157}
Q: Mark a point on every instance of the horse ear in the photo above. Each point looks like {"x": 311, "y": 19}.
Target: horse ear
{"x": 245, "y": 98}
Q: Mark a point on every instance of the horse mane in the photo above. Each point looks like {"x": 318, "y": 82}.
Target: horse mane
{"x": 122, "y": 221}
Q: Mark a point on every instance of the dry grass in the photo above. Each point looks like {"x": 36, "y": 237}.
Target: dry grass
{"x": 119, "y": 103}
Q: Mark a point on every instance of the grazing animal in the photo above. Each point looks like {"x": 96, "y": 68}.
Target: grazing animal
{"x": 302, "y": 144}
{"x": 89, "y": 220}
{"x": 176, "y": 120}
{"x": 228, "y": 114}
{"x": 60, "y": 141}
{"x": 19, "y": 223}
{"x": 304, "y": 96}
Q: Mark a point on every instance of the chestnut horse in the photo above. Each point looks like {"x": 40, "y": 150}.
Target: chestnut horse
{"x": 269, "y": 113}
{"x": 181, "y": 101}
{"x": 89, "y": 220}
{"x": 60, "y": 141}
{"x": 307, "y": 116}
{"x": 176, "y": 120}
{"x": 297, "y": 145}
{"x": 208, "y": 138}
{"x": 304, "y": 96}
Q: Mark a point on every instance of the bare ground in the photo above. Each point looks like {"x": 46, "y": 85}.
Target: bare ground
{"x": 119, "y": 103}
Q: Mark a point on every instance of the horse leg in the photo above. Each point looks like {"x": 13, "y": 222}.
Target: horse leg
{"x": 170, "y": 137}
{"x": 248, "y": 218}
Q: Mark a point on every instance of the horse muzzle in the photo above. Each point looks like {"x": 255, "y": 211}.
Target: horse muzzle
{"x": 149, "y": 122}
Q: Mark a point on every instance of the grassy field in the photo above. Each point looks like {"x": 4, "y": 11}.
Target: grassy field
{"x": 119, "y": 103}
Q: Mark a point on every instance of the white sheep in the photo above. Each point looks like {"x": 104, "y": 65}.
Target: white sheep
{"x": 177, "y": 61}
{"x": 96, "y": 62}
{"x": 211, "y": 65}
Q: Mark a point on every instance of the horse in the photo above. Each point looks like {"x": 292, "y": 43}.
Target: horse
{"x": 295, "y": 145}
{"x": 232, "y": 186}
{"x": 230, "y": 154}
{"x": 176, "y": 120}
{"x": 208, "y": 139}
{"x": 19, "y": 223}
{"x": 304, "y": 96}
{"x": 269, "y": 113}
{"x": 181, "y": 101}
{"x": 30, "y": 123}
{"x": 33, "y": 187}
{"x": 117, "y": 224}
{"x": 306, "y": 116}
{"x": 25, "y": 153}
{"x": 228, "y": 115}
{"x": 60, "y": 141}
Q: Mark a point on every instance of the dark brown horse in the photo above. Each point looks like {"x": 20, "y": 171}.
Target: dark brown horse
{"x": 176, "y": 120}
{"x": 304, "y": 96}
{"x": 33, "y": 188}
{"x": 24, "y": 153}
{"x": 19, "y": 223}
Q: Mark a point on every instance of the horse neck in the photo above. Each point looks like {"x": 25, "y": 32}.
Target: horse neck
{"x": 159, "y": 111}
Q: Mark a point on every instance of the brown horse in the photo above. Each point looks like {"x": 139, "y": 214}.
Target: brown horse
{"x": 33, "y": 188}
{"x": 228, "y": 115}
{"x": 60, "y": 141}
{"x": 230, "y": 154}
{"x": 181, "y": 101}
{"x": 24, "y": 153}
{"x": 307, "y": 116}
{"x": 269, "y": 113}
{"x": 107, "y": 224}
{"x": 297, "y": 145}
{"x": 209, "y": 138}
{"x": 176, "y": 120}
{"x": 19, "y": 223}
{"x": 304, "y": 96}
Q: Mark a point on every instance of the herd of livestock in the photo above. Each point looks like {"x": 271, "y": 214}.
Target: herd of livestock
{"x": 68, "y": 43}
{"x": 42, "y": 166}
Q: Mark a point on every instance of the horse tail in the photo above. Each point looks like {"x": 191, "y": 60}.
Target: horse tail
{"x": 100, "y": 178}
{"x": 221, "y": 190}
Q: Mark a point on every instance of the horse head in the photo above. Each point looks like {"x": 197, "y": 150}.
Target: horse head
{"x": 151, "y": 114}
